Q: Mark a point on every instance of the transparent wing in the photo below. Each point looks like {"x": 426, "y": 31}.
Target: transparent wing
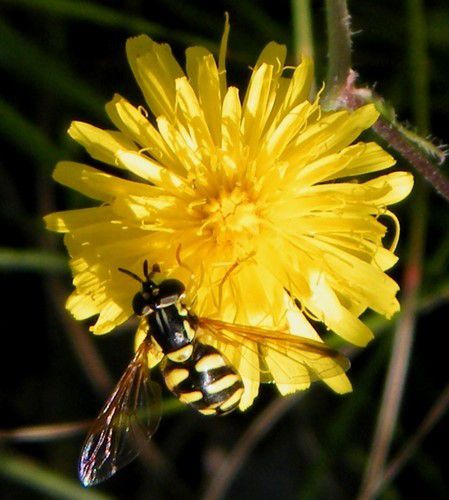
{"x": 281, "y": 357}
{"x": 132, "y": 412}
{"x": 154, "y": 352}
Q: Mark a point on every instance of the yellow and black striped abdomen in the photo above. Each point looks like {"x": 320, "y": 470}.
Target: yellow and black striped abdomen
{"x": 206, "y": 381}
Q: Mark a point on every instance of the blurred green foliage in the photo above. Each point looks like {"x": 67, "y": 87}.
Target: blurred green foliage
{"x": 62, "y": 60}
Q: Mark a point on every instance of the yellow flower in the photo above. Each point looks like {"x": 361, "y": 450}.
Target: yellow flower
{"x": 252, "y": 201}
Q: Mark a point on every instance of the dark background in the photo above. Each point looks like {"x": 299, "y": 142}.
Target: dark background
{"x": 62, "y": 60}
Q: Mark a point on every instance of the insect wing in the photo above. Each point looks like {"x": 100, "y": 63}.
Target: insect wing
{"x": 273, "y": 356}
{"x": 132, "y": 412}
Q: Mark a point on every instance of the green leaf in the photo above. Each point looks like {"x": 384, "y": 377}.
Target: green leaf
{"x": 12, "y": 259}
{"x": 29, "y": 473}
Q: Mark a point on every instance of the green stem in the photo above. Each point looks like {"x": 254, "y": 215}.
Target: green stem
{"x": 302, "y": 29}
{"x": 38, "y": 478}
{"x": 303, "y": 32}
{"x": 339, "y": 46}
{"x": 12, "y": 259}
{"x": 397, "y": 140}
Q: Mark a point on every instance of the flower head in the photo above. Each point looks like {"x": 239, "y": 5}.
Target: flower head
{"x": 251, "y": 200}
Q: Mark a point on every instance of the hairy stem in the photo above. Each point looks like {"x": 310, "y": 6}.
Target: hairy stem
{"x": 339, "y": 46}
{"x": 413, "y": 155}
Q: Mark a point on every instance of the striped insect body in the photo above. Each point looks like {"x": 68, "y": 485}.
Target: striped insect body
{"x": 206, "y": 381}
{"x": 197, "y": 373}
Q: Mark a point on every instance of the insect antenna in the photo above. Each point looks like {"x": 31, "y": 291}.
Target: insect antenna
{"x": 145, "y": 270}
{"x": 130, "y": 274}
{"x": 148, "y": 275}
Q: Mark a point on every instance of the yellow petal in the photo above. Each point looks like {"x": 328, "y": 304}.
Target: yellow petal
{"x": 222, "y": 56}
{"x": 81, "y": 306}
{"x": 180, "y": 143}
{"x": 256, "y": 104}
{"x": 155, "y": 70}
{"x": 324, "y": 304}
{"x": 148, "y": 169}
{"x": 248, "y": 361}
{"x": 399, "y": 186}
{"x": 287, "y": 129}
{"x": 360, "y": 280}
{"x": 95, "y": 183}
{"x": 298, "y": 324}
{"x": 299, "y": 85}
{"x": 110, "y": 317}
{"x": 278, "y": 364}
{"x": 319, "y": 223}
{"x": 364, "y": 158}
{"x": 194, "y": 58}
{"x": 330, "y": 134}
{"x": 375, "y": 194}
{"x": 299, "y": 366}
{"x": 384, "y": 258}
{"x": 107, "y": 238}
{"x": 102, "y": 145}
{"x": 193, "y": 114}
{"x": 71, "y": 220}
{"x": 287, "y": 270}
{"x": 339, "y": 384}
{"x": 231, "y": 117}
{"x": 142, "y": 209}
{"x": 273, "y": 54}
{"x": 209, "y": 95}
{"x": 317, "y": 171}
{"x": 132, "y": 123}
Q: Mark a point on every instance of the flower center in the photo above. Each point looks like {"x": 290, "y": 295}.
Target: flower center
{"x": 231, "y": 218}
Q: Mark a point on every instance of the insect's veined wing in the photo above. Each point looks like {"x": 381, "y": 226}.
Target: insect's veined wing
{"x": 273, "y": 356}
{"x": 154, "y": 352}
{"x": 131, "y": 413}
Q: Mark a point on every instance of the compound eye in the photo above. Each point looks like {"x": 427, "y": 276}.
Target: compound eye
{"x": 141, "y": 305}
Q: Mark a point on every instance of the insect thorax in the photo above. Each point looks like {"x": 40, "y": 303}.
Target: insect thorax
{"x": 206, "y": 381}
{"x": 171, "y": 329}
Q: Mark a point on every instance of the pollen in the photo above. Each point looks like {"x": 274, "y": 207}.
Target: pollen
{"x": 230, "y": 218}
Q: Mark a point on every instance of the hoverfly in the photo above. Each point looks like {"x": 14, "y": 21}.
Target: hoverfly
{"x": 197, "y": 373}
